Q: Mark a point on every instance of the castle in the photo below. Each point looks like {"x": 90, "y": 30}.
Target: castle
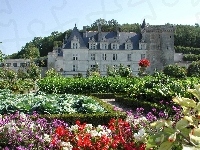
{"x": 83, "y": 50}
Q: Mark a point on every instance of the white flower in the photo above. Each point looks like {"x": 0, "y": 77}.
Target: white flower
{"x": 74, "y": 127}
{"x": 66, "y": 145}
{"x": 47, "y": 138}
{"x": 89, "y": 126}
{"x": 94, "y": 133}
{"x": 32, "y": 125}
{"x": 22, "y": 115}
{"x": 140, "y": 136}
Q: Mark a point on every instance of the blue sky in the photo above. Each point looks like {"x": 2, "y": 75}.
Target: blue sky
{"x": 22, "y": 20}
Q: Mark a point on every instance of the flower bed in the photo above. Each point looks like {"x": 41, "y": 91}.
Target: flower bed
{"x": 47, "y": 104}
{"x": 23, "y": 132}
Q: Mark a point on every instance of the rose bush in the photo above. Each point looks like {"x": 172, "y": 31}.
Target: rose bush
{"x": 144, "y": 63}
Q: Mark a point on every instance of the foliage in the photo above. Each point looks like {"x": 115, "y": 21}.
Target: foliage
{"x": 8, "y": 74}
{"x": 18, "y": 85}
{"x": 47, "y": 104}
{"x": 160, "y": 87}
{"x": 191, "y": 57}
{"x": 33, "y": 71}
{"x": 121, "y": 71}
{"x": 1, "y": 56}
{"x": 94, "y": 71}
{"x": 85, "y": 85}
{"x": 175, "y": 71}
{"x": 187, "y": 50}
{"x": 194, "y": 69}
{"x": 187, "y": 36}
{"x": 22, "y": 74}
{"x": 51, "y": 73}
{"x": 167, "y": 133}
{"x": 29, "y": 51}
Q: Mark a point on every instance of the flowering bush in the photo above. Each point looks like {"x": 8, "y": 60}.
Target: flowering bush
{"x": 144, "y": 63}
{"x": 23, "y": 132}
{"x": 118, "y": 135}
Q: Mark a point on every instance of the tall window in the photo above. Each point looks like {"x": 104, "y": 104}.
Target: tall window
{"x": 103, "y": 56}
{"x": 129, "y": 57}
{"x": 142, "y": 56}
{"x": 75, "y": 56}
{"x": 114, "y": 56}
{"x": 92, "y": 56}
{"x": 75, "y": 68}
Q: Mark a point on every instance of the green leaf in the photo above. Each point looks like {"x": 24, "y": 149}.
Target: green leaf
{"x": 181, "y": 124}
{"x": 166, "y": 146}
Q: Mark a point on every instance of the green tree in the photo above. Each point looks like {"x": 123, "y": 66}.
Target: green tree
{"x": 175, "y": 71}
{"x": 29, "y": 51}
{"x": 2, "y": 56}
{"x": 33, "y": 71}
{"x": 194, "y": 69}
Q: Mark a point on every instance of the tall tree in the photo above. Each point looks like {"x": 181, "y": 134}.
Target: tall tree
{"x": 2, "y": 56}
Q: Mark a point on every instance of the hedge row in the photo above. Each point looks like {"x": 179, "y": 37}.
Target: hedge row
{"x": 85, "y": 85}
{"x": 187, "y": 50}
{"x": 191, "y": 57}
{"x": 149, "y": 88}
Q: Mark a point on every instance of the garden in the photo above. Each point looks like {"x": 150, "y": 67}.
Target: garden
{"x": 59, "y": 113}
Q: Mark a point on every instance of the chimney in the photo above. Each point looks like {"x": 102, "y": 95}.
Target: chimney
{"x": 99, "y": 27}
{"x": 84, "y": 29}
{"x": 99, "y": 32}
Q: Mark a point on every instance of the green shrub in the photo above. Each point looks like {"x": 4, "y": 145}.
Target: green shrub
{"x": 175, "y": 71}
{"x": 187, "y": 50}
{"x": 85, "y": 85}
{"x": 51, "y": 73}
{"x": 191, "y": 57}
{"x": 194, "y": 69}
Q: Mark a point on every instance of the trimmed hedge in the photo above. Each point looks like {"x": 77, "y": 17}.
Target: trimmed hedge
{"x": 187, "y": 50}
{"x": 85, "y": 85}
{"x": 191, "y": 57}
{"x": 95, "y": 119}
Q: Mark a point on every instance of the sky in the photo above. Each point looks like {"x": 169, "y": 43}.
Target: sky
{"x": 22, "y": 20}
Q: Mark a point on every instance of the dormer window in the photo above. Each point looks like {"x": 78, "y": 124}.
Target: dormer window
{"x": 114, "y": 46}
{"x": 142, "y": 46}
{"x": 92, "y": 44}
{"x": 128, "y": 44}
{"x": 103, "y": 43}
{"x": 75, "y": 43}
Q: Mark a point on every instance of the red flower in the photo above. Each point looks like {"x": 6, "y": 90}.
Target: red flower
{"x": 60, "y": 131}
{"x": 144, "y": 63}
{"x": 54, "y": 141}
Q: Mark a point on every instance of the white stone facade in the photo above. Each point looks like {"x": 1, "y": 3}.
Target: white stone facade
{"x": 82, "y": 50}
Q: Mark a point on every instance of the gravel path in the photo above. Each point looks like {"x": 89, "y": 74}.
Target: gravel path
{"x": 117, "y": 105}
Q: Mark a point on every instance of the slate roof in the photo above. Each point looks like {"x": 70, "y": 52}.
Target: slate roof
{"x": 76, "y": 33}
{"x": 111, "y": 37}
